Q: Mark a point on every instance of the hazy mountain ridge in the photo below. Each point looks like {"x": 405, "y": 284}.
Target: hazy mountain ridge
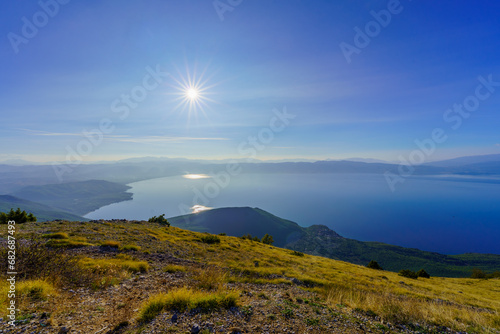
{"x": 321, "y": 240}
{"x": 13, "y": 178}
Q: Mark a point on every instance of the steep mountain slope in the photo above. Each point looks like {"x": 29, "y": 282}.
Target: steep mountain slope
{"x": 320, "y": 240}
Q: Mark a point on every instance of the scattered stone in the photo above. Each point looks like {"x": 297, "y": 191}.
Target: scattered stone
{"x": 195, "y": 329}
{"x": 63, "y": 330}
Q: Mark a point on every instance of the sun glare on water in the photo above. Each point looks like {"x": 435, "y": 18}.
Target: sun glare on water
{"x": 195, "y": 176}
{"x": 199, "y": 208}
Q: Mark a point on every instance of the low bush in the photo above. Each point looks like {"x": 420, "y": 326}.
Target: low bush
{"x": 267, "y": 239}
{"x": 408, "y": 273}
{"x": 297, "y": 253}
{"x": 160, "y": 220}
{"x": 36, "y": 261}
{"x": 423, "y": 273}
{"x": 210, "y": 239}
{"x": 374, "y": 265}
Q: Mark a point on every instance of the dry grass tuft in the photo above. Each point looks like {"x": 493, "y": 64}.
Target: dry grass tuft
{"x": 184, "y": 299}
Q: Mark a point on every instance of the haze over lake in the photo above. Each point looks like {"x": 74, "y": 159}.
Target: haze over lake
{"x": 446, "y": 215}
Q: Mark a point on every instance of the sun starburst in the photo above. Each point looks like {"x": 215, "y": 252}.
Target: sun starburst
{"x": 192, "y": 91}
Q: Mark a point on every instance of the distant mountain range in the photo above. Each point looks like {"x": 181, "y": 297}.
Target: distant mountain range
{"x": 469, "y": 160}
{"x": 13, "y": 178}
{"x": 320, "y": 240}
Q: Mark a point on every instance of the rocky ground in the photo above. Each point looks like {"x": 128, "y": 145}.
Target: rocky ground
{"x": 263, "y": 308}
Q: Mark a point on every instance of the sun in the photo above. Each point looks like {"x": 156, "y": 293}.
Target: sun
{"x": 192, "y": 90}
{"x": 192, "y": 93}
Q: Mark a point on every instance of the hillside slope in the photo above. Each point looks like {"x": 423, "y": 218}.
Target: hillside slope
{"x": 140, "y": 277}
{"x": 78, "y": 198}
{"x": 320, "y": 240}
{"x": 41, "y": 212}
{"x": 241, "y": 221}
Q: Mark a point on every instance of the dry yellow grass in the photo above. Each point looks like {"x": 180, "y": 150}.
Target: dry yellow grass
{"x": 462, "y": 304}
{"x": 186, "y": 299}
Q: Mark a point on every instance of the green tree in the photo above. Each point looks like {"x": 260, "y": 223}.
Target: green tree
{"x": 478, "y": 273}
{"x": 374, "y": 265}
{"x": 160, "y": 220}
{"x": 267, "y": 239}
{"x": 18, "y": 216}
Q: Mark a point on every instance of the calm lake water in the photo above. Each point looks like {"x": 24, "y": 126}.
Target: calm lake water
{"x": 445, "y": 215}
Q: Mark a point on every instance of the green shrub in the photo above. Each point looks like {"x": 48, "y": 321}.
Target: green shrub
{"x": 267, "y": 239}
{"x": 296, "y": 253}
{"x": 374, "y": 265}
{"x": 36, "y": 261}
{"x": 160, "y": 220}
{"x": 478, "y": 273}
{"x": 210, "y": 239}
{"x": 423, "y": 273}
{"x": 408, "y": 273}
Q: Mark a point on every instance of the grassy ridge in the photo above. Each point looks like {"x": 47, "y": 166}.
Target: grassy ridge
{"x": 320, "y": 240}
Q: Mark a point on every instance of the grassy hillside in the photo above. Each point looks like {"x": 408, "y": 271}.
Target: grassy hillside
{"x": 41, "y": 212}
{"x": 76, "y": 197}
{"x": 137, "y": 277}
{"x": 320, "y": 240}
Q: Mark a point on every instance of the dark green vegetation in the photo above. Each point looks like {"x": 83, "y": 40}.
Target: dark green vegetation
{"x": 78, "y": 198}
{"x": 411, "y": 274}
{"x": 210, "y": 239}
{"x": 40, "y": 211}
{"x": 17, "y": 216}
{"x": 408, "y": 273}
{"x": 160, "y": 220}
{"x": 320, "y": 240}
{"x": 374, "y": 265}
{"x": 478, "y": 273}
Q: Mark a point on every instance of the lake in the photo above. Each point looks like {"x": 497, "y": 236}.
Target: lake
{"x": 442, "y": 214}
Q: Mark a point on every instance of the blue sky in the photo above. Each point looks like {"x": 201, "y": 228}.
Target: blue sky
{"x": 262, "y": 58}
